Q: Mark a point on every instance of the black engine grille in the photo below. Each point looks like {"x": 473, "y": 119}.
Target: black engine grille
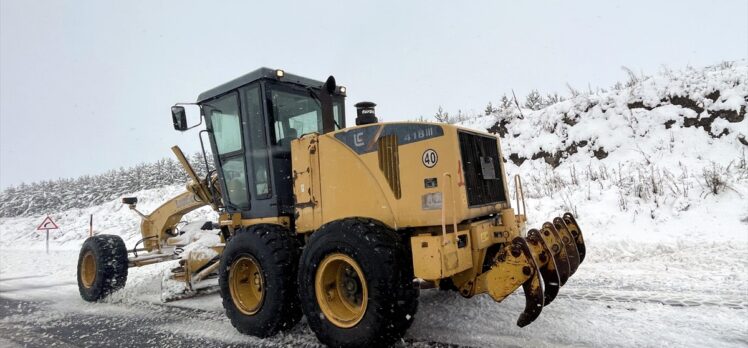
{"x": 481, "y": 189}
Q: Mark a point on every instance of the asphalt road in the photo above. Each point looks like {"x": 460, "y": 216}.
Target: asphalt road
{"x": 20, "y": 326}
{"x": 39, "y": 324}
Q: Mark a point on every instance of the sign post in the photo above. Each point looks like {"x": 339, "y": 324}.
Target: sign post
{"x": 47, "y": 225}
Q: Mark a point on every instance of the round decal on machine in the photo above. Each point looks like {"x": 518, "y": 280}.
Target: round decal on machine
{"x": 429, "y": 158}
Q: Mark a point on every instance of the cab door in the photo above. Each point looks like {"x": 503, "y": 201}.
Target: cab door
{"x": 224, "y": 123}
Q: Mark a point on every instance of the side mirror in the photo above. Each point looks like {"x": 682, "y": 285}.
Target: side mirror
{"x": 179, "y": 117}
{"x": 330, "y": 85}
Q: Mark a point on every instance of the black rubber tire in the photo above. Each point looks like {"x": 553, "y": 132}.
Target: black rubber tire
{"x": 110, "y": 256}
{"x": 387, "y": 266}
{"x": 277, "y": 251}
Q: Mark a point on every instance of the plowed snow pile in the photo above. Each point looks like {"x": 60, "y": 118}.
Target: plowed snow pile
{"x": 655, "y": 170}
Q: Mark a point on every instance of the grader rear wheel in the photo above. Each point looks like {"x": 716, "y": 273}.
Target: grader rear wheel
{"x": 356, "y": 284}
{"x": 341, "y": 290}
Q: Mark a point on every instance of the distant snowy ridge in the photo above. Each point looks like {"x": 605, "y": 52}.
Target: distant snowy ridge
{"x": 89, "y": 190}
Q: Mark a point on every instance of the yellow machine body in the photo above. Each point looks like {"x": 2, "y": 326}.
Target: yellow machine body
{"x": 420, "y": 187}
{"x": 332, "y": 182}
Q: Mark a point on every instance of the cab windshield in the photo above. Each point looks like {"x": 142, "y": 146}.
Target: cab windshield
{"x": 296, "y": 112}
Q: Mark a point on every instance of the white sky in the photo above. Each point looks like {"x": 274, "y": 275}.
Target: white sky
{"x": 86, "y": 86}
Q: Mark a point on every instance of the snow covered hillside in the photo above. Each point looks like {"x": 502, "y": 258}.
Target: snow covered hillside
{"x": 641, "y": 159}
{"x": 655, "y": 169}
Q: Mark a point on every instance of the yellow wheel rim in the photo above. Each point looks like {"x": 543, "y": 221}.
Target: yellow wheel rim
{"x": 341, "y": 290}
{"x": 247, "y": 285}
{"x": 88, "y": 269}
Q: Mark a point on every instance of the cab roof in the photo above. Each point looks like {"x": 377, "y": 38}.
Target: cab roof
{"x": 261, "y": 73}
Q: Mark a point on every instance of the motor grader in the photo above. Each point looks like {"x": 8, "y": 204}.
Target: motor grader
{"x": 341, "y": 224}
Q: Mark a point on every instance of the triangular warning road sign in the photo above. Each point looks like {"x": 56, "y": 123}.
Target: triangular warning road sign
{"x": 47, "y": 224}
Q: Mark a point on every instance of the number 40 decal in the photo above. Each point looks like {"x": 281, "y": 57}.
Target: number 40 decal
{"x": 429, "y": 158}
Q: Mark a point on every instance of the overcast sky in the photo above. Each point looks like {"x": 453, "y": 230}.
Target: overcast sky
{"x": 86, "y": 86}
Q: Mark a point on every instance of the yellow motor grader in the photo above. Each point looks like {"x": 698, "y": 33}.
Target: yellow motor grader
{"x": 341, "y": 224}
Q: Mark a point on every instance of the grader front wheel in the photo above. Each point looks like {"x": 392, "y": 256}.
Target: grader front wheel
{"x": 102, "y": 266}
{"x": 88, "y": 269}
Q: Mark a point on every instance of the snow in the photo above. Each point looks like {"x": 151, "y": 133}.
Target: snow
{"x": 667, "y": 258}
{"x": 112, "y": 217}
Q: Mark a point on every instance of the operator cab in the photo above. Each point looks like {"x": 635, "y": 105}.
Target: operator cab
{"x": 251, "y": 122}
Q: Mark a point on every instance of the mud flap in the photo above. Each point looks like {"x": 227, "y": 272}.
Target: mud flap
{"x": 551, "y": 279}
{"x": 576, "y": 232}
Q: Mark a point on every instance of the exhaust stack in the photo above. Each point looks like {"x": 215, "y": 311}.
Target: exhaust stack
{"x": 365, "y": 113}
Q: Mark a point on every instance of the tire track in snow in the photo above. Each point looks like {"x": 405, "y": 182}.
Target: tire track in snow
{"x": 726, "y": 301}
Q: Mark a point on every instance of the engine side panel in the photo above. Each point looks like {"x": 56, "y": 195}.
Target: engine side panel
{"x": 421, "y": 183}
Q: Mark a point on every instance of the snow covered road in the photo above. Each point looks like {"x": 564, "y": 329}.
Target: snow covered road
{"x": 629, "y": 304}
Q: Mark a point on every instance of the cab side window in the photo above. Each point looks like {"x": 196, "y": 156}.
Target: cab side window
{"x": 258, "y": 142}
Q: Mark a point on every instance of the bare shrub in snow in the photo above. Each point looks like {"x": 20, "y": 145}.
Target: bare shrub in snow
{"x": 715, "y": 178}
{"x": 726, "y": 64}
{"x": 534, "y": 101}
{"x": 568, "y": 203}
{"x": 444, "y": 117}
{"x": 622, "y": 202}
{"x": 633, "y": 79}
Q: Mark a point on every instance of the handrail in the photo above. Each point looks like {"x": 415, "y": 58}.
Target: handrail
{"x": 454, "y": 212}
{"x": 520, "y": 192}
